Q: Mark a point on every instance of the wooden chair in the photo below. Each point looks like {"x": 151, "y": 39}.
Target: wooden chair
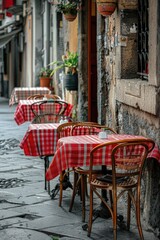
{"x": 81, "y": 174}
{"x": 41, "y": 96}
{"x": 64, "y": 130}
{"x": 127, "y": 162}
{"x": 50, "y": 110}
{"x": 51, "y": 113}
{"x": 52, "y": 96}
{"x": 36, "y": 97}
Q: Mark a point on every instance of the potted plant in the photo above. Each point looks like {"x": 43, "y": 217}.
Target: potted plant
{"x": 69, "y": 8}
{"x": 45, "y": 77}
{"x": 106, "y": 7}
{"x": 69, "y": 63}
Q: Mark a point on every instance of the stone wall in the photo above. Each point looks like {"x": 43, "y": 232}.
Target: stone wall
{"x": 130, "y": 104}
{"x": 133, "y": 121}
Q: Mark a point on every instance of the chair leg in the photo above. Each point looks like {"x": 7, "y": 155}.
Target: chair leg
{"x": 83, "y": 192}
{"x": 86, "y": 187}
{"x": 47, "y": 165}
{"x": 129, "y": 212}
{"x": 90, "y": 212}
{"x": 111, "y": 199}
{"x": 61, "y": 188}
{"x": 114, "y": 216}
{"x": 45, "y": 169}
{"x": 138, "y": 216}
{"x": 75, "y": 183}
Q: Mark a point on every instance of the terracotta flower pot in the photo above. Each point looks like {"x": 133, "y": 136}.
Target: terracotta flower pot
{"x": 45, "y": 82}
{"x": 69, "y": 17}
{"x": 106, "y": 7}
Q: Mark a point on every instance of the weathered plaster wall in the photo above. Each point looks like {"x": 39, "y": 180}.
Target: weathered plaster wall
{"x": 70, "y": 32}
{"x": 133, "y": 121}
{"x": 35, "y": 48}
{"x": 102, "y": 76}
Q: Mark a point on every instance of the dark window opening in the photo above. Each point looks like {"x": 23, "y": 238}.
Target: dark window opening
{"x": 143, "y": 32}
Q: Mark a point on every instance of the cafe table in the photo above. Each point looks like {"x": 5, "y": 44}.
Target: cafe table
{"x": 23, "y": 111}
{"x": 22, "y": 93}
{"x": 40, "y": 139}
{"x": 74, "y": 151}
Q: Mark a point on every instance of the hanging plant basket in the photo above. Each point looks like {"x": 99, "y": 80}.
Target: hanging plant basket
{"x": 70, "y": 17}
{"x": 71, "y": 82}
{"x": 106, "y": 7}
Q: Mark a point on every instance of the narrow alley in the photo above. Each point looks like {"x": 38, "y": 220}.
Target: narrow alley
{"x": 27, "y": 211}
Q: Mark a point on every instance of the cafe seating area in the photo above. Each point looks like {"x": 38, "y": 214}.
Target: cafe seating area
{"x": 93, "y": 152}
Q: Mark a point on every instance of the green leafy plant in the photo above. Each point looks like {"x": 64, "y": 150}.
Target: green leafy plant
{"x": 69, "y": 61}
{"x": 68, "y": 6}
{"x": 45, "y": 72}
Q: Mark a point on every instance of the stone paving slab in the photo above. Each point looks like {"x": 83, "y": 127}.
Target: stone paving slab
{"x": 5, "y": 223}
{"x": 23, "y": 234}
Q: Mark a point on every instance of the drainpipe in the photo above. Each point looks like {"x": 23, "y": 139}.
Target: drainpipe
{"x": 89, "y": 60}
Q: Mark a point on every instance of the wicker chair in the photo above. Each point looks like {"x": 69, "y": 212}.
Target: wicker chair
{"x": 64, "y": 130}
{"x": 42, "y": 96}
{"x": 52, "y": 96}
{"x": 36, "y": 97}
{"x": 81, "y": 174}
{"x": 127, "y": 162}
{"x": 51, "y": 113}
{"x": 48, "y": 110}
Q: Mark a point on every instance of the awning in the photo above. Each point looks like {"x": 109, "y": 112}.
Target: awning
{"x": 7, "y": 4}
{"x": 7, "y": 37}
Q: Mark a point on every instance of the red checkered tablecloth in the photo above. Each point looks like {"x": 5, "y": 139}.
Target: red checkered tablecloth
{"x": 23, "y": 111}
{"x": 74, "y": 151}
{"x": 40, "y": 139}
{"x": 22, "y": 93}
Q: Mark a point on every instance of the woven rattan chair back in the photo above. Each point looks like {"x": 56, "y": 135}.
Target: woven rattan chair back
{"x": 48, "y": 111}
{"x": 36, "y": 97}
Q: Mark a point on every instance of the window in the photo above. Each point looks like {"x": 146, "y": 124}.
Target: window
{"x": 143, "y": 32}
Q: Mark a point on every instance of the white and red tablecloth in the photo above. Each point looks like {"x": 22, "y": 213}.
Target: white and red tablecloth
{"x": 23, "y": 111}
{"x": 74, "y": 151}
{"x": 22, "y": 93}
{"x": 40, "y": 139}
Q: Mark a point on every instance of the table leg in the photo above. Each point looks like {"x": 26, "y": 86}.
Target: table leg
{"x": 66, "y": 184}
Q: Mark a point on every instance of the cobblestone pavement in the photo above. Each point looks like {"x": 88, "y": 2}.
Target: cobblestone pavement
{"x": 27, "y": 211}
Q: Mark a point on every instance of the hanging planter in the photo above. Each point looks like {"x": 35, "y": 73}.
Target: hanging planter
{"x": 124, "y": 4}
{"x": 71, "y": 82}
{"x": 106, "y": 7}
{"x": 68, "y": 8}
{"x": 70, "y": 17}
